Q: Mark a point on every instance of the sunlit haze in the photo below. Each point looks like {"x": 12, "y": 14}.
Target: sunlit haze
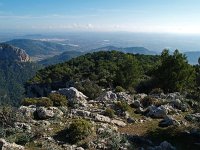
{"x": 154, "y": 16}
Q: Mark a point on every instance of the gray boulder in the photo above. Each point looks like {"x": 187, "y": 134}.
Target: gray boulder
{"x": 168, "y": 121}
{"x": 27, "y": 111}
{"x": 157, "y": 112}
{"x": 124, "y": 96}
{"x": 46, "y": 113}
{"x": 72, "y": 94}
{"x": 107, "y": 96}
{"x": 136, "y": 104}
{"x": 118, "y": 123}
{"x": 102, "y": 118}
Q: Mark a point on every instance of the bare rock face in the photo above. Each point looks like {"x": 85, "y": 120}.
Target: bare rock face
{"x": 11, "y": 53}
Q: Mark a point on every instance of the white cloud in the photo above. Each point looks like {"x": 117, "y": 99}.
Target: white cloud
{"x": 54, "y": 16}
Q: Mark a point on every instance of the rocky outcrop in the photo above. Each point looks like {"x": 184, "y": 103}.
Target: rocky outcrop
{"x": 107, "y": 96}
{"x": 11, "y": 53}
{"x": 4, "y": 145}
{"x": 72, "y": 93}
{"x": 27, "y": 111}
{"x": 46, "y": 113}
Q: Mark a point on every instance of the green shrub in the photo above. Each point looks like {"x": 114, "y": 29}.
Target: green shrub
{"x": 79, "y": 130}
{"x": 29, "y": 101}
{"x": 7, "y": 116}
{"x": 58, "y": 99}
{"x": 122, "y": 106}
{"x": 89, "y": 88}
{"x": 23, "y": 139}
{"x": 119, "y": 89}
{"x": 109, "y": 112}
{"x": 148, "y": 101}
{"x": 43, "y": 101}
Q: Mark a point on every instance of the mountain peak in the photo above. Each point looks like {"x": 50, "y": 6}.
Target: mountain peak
{"x": 11, "y": 53}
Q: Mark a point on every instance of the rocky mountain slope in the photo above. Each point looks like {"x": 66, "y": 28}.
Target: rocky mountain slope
{"x": 11, "y": 53}
{"x": 113, "y": 120}
{"x": 15, "y": 70}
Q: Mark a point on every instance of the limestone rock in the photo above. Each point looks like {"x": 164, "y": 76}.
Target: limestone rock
{"x": 22, "y": 126}
{"x": 72, "y": 93}
{"x": 157, "y": 112}
{"x": 27, "y": 111}
{"x": 168, "y": 121}
{"x": 11, "y": 53}
{"x": 102, "y": 118}
{"x": 4, "y": 145}
{"x": 107, "y": 96}
{"x": 118, "y": 123}
{"x": 45, "y": 113}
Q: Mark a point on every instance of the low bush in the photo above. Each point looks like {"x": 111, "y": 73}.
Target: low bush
{"x": 148, "y": 101}
{"x": 79, "y": 130}
{"x": 119, "y": 89}
{"x": 122, "y": 106}
{"x": 43, "y": 101}
{"x": 58, "y": 99}
{"x": 109, "y": 112}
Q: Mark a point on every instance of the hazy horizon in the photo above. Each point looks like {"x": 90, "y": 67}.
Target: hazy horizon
{"x": 144, "y": 16}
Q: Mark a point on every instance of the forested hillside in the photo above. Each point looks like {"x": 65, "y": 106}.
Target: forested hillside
{"x": 104, "y": 69}
{"x": 12, "y": 79}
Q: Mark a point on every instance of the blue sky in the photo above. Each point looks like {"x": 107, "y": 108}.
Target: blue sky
{"x": 171, "y": 16}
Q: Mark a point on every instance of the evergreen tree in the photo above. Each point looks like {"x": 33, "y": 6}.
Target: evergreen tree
{"x": 174, "y": 73}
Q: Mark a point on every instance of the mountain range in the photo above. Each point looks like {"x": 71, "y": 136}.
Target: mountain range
{"x": 38, "y": 49}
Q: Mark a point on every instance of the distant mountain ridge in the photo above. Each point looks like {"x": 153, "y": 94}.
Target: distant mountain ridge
{"x": 132, "y": 50}
{"x": 38, "y": 48}
{"x": 65, "y": 56}
{"x": 11, "y": 53}
{"x": 60, "y": 58}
